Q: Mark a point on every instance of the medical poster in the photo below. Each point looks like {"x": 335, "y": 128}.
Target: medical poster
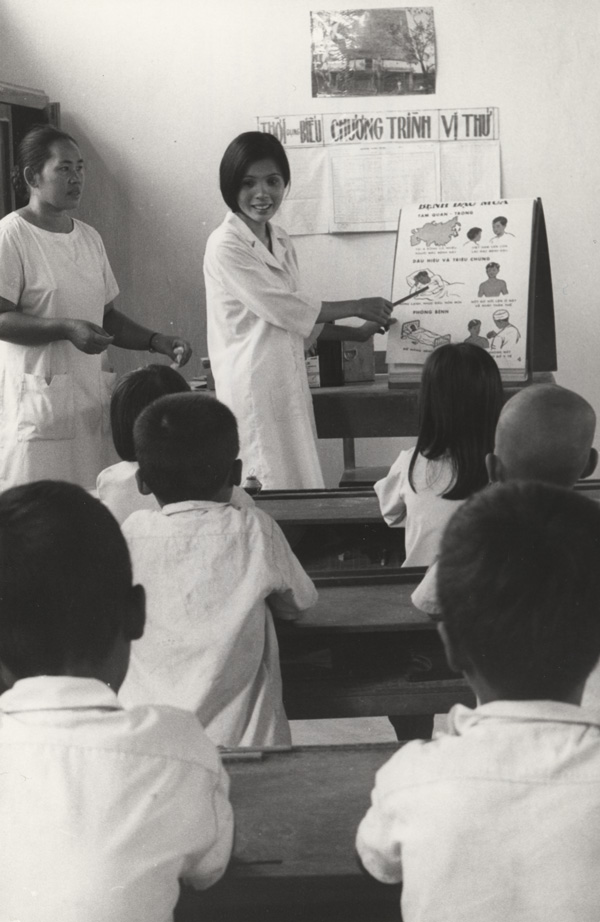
{"x": 352, "y": 172}
{"x": 466, "y": 266}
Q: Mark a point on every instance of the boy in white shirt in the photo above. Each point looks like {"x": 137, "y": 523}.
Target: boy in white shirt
{"x": 102, "y": 809}
{"x": 212, "y": 573}
{"x": 500, "y": 818}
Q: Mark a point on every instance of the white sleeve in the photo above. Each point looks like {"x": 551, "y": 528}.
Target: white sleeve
{"x": 313, "y": 336}
{"x": 245, "y": 279}
{"x": 294, "y": 590}
{"x": 389, "y": 493}
{"x": 378, "y": 848}
{"x": 12, "y": 275}
{"x": 111, "y": 289}
{"x": 204, "y": 868}
{"x": 425, "y": 596}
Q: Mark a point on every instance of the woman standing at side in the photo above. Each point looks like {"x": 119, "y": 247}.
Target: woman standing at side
{"x": 259, "y": 316}
{"x": 56, "y": 318}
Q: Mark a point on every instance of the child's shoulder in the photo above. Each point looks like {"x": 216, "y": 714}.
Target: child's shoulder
{"x": 251, "y": 518}
{"x": 142, "y": 521}
{"x": 421, "y": 762}
{"x": 118, "y": 472}
{"x": 169, "y": 732}
{"x": 401, "y": 464}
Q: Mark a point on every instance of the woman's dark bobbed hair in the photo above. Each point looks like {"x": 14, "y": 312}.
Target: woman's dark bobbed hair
{"x": 33, "y": 152}
{"x": 243, "y": 151}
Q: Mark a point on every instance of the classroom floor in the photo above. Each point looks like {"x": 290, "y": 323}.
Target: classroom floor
{"x": 348, "y": 730}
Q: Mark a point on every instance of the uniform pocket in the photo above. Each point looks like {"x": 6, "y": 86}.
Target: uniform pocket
{"x": 46, "y": 408}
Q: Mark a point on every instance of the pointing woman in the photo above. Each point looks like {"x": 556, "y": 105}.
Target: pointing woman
{"x": 259, "y": 316}
{"x": 56, "y": 318}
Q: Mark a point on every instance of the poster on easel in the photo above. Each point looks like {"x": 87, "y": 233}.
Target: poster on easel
{"x": 472, "y": 272}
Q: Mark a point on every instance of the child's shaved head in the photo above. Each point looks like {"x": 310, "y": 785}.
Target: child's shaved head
{"x": 545, "y": 432}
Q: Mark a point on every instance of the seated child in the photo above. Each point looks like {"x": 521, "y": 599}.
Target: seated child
{"x": 116, "y": 486}
{"x": 459, "y": 402}
{"x": 212, "y": 575}
{"x": 544, "y": 432}
{"x": 103, "y": 809}
{"x": 500, "y": 818}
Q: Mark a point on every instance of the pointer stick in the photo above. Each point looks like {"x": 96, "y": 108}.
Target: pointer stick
{"x": 412, "y": 295}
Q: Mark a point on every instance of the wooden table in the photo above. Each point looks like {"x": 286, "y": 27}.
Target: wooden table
{"x": 369, "y": 410}
{"x": 297, "y": 812}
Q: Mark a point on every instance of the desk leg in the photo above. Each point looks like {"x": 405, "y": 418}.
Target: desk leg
{"x": 349, "y": 454}
{"x": 412, "y": 726}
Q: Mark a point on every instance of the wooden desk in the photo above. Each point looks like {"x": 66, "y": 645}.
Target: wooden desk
{"x": 350, "y": 655}
{"x": 374, "y": 410}
{"x": 321, "y": 507}
{"x": 369, "y": 626}
{"x": 324, "y": 526}
{"x": 365, "y": 603}
{"x": 297, "y": 812}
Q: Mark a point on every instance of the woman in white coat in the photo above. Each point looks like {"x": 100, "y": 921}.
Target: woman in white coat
{"x": 56, "y": 318}
{"x": 259, "y": 317}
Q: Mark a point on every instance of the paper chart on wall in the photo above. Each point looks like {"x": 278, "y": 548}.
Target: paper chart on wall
{"x": 367, "y": 184}
{"x": 305, "y": 209}
{"x": 469, "y": 170}
{"x": 353, "y": 173}
{"x": 473, "y": 259}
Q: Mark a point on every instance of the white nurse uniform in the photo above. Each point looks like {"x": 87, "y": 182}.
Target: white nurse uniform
{"x": 54, "y": 399}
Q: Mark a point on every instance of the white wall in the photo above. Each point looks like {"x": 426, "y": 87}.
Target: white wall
{"x": 154, "y": 91}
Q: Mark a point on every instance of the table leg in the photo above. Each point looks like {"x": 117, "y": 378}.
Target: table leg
{"x": 349, "y": 454}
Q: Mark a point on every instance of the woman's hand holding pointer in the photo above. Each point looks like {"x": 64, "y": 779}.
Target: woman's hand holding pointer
{"x": 377, "y": 310}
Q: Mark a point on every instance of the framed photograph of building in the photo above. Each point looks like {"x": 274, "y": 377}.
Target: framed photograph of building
{"x": 373, "y": 52}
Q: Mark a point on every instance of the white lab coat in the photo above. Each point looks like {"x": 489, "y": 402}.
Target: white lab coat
{"x": 54, "y": 419}
{"x": 258, "y": 318}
